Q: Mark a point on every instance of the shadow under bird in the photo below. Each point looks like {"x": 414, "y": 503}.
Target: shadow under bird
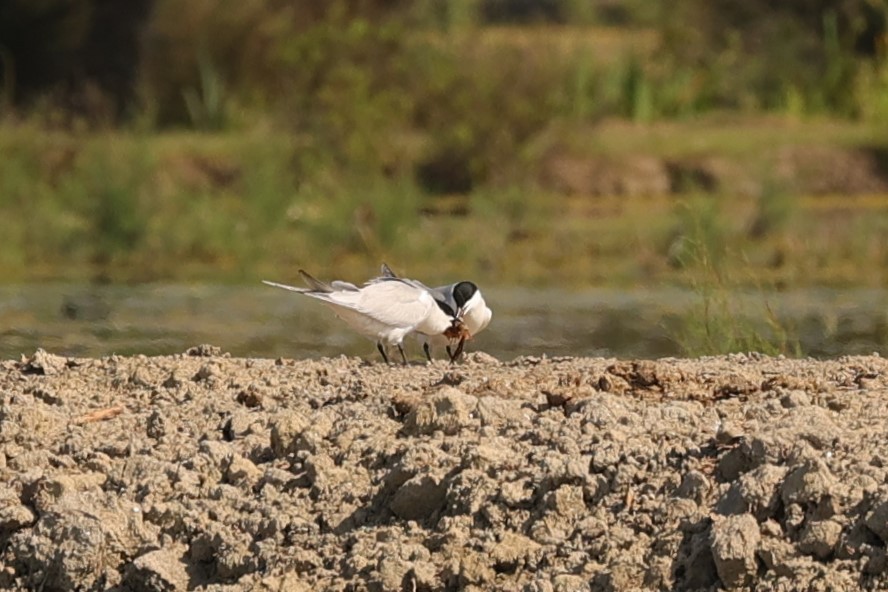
{"x": 385, "y": 312}
{"x": 462, "y": 300}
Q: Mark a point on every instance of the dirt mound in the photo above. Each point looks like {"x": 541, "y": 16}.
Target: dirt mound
{"x": 201, "y": 471}
{"x": 805, "y": 170}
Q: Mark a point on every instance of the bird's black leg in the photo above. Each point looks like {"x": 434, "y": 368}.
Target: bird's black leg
{"x": 449, "y": 353}
{"x": 382, "y": 351}
{"x": 427, "y": 350}
{"x": 403, "y": 357}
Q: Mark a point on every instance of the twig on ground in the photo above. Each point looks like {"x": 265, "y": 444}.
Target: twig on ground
{"x": 99, "y": 414}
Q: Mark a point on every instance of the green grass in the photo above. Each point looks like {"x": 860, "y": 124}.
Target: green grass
{"x": 310, "y": 140}
{"x": 748, "y": 137}
{"x": 729, "y": 315}
{"x": 238, "y": 206}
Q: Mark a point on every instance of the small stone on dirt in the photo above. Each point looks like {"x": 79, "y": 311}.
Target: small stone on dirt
{"x": 819, "y": 538}
{"x": 159, "y": 571}
{"x": 418, "y": 498}
{"x": 734, "y": 543}
{"x": 447, "y": 409}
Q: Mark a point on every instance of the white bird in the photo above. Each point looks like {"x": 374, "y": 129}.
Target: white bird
{"x": 385, "y": 312}
{"x": 461, "y": 300}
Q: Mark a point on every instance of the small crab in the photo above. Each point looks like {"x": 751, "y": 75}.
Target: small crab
{"x": 457, "y": 331}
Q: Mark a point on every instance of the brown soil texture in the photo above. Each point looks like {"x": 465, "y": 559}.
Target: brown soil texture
{"x": 805, "y": 170}
{"x": 202, "y": 471}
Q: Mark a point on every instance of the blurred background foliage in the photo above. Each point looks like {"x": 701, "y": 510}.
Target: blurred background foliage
{"x": 518, "y": 139}
{"x": 108, "y": 61}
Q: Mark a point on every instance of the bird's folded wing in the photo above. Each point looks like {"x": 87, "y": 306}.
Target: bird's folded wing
{"x": 396, "y": 304}
{"x": 340, "y": 285}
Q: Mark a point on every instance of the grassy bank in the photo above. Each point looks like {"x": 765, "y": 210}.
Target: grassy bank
{"x": 763, "y": 198}
{"x": 719, "y": 146}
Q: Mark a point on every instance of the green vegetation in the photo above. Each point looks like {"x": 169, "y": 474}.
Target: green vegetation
{"x": 242, "y": 205}
{"x": 617, "y": 143}
{"x": 727, "y": 316}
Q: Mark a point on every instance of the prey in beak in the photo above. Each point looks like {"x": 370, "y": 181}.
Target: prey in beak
{"x": 457, "y": 331}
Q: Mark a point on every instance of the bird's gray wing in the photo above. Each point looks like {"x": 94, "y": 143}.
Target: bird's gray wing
{"x": 347, "y": 286}
{"x": 443, "y": 294}
{"x": 393, "y": 303}
{"x": 387, "y": 275}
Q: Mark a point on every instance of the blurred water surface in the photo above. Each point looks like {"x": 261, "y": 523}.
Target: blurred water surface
{"x": 89, "y": 320}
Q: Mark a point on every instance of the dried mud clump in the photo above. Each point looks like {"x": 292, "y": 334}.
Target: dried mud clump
{"x": 205, "y": 472}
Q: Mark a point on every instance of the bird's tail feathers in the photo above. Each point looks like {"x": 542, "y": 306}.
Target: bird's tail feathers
{"x": 386, "y": 271}
{"x": 285, "y": 287}
{"x": 316, "y": 285}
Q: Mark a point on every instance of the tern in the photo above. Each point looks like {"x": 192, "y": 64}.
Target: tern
{"x": 461, "y": 300}
{"x": 385, "y": 312}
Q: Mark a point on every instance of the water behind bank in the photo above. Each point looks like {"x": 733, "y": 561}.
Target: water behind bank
{"x": 88, "y": 320}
